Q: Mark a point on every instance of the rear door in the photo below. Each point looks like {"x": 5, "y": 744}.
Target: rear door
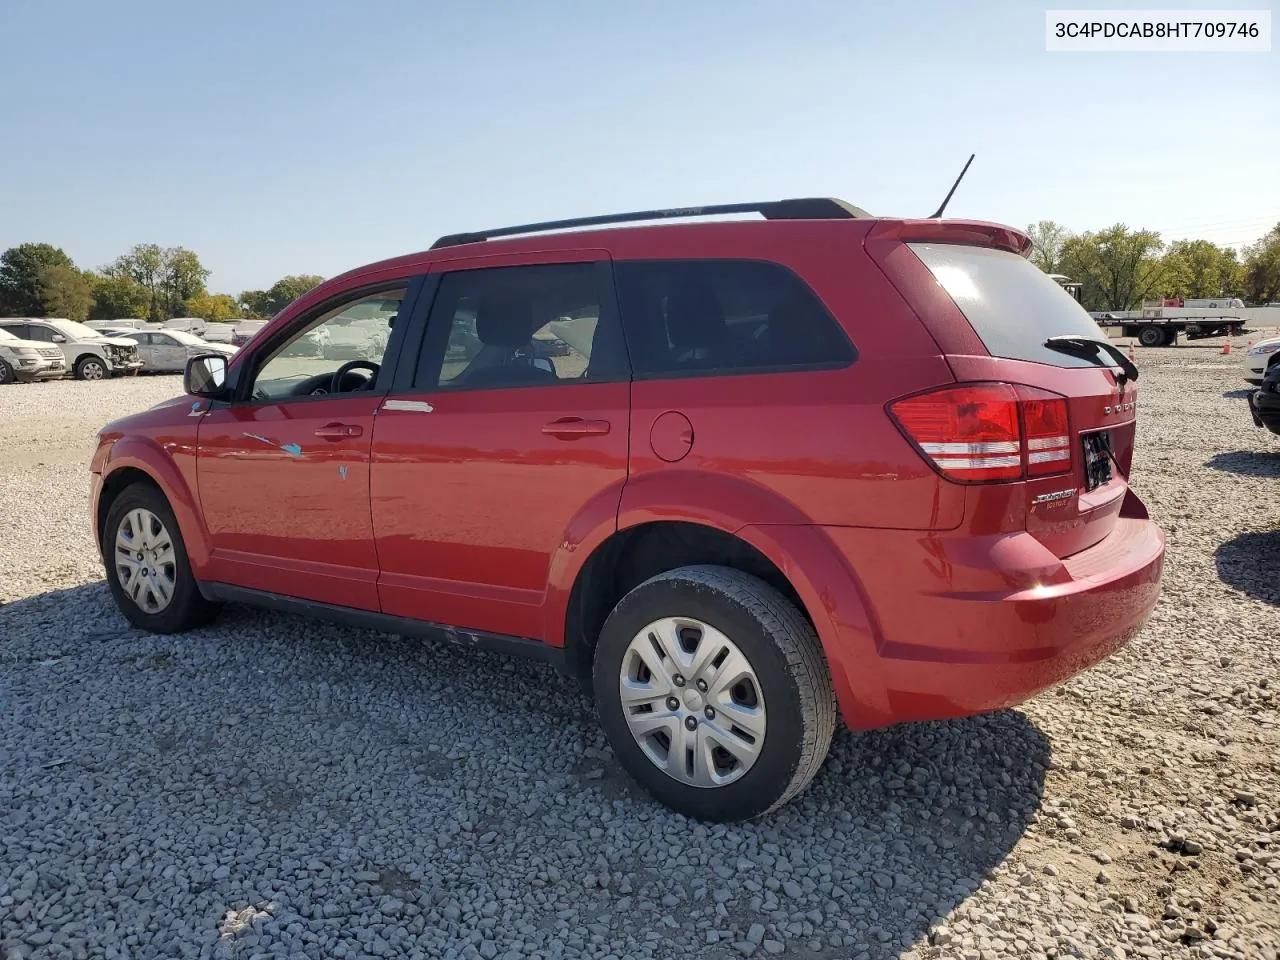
{"x": 169, "y": 354}
{"x": 513, "y": 426}
{"x": 1008, "y": 310}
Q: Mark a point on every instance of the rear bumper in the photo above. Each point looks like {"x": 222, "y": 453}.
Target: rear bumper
{"x": 969, "y": 625}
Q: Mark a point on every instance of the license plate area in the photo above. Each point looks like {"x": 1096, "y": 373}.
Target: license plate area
{"x": 1097, "y": 459}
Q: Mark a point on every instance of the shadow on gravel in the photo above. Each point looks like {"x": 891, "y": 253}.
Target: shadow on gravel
{"x": 463, "y": 783}
{"x": 1250, "y": 563}
{"x": 1246, "y": 463}
{"x": 1239, "y": 394}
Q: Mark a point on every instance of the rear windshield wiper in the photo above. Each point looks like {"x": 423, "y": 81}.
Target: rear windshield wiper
{"x": 1088, "y": 348}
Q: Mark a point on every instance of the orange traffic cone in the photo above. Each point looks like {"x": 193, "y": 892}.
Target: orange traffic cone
{"x": 1132, "y": 358}
{"x": 1226, "y": 347}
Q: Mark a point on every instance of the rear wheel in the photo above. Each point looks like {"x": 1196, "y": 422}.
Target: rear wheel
{"x": 714, "y": 693}
{"x": 91, "y": 368}
{"x": 147, "y": 567}
{"x": 1151, "y": 336}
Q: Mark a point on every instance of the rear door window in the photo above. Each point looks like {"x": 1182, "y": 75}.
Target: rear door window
{"x": 710, "y": 317}
{"x": 1012, "y": 306}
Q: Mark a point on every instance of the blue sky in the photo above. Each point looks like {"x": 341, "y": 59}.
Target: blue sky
{"x": 289, "y": 137}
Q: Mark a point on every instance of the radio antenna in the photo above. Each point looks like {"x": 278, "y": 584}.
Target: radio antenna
{"x": 938, "y": 212}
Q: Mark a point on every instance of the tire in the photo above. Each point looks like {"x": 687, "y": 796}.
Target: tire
{"x": 1151, "y": 336}
{"x": 185, "y": 607}
{"x": 6, "y": 373}
{"x": 90, "y": 367}
{"x": 790, "y": 694}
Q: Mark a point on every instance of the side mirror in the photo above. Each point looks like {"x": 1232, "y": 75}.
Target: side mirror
{"x": 542, "y": 363}
{"x": 59, "y": 338}
{"x": 206, "y": 376}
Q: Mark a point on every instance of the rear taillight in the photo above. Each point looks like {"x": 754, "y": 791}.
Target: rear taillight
{"x": 1047, "y": 437}
{"x": 987, "y": 432}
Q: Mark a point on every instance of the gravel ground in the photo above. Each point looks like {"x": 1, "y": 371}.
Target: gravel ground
{"x": 269, "y": 787}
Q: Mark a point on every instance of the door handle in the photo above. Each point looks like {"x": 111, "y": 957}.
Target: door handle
{"x": 338, "y": 431}
{"x": 571, "y": 428}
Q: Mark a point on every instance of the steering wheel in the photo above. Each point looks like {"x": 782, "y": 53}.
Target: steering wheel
{"x": 335, "y": 384}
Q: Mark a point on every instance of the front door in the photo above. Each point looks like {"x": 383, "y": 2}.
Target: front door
{"x": 166, "y": 352}
{"x": 284, "y": 472}
{"x": 514, "y": 425}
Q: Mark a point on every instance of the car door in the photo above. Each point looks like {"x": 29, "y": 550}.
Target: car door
{"x": 283, "y": 469}
{"x": 146, "y": 350}
{"x": 488, "y": 449}
{"x": 169, "y": 353}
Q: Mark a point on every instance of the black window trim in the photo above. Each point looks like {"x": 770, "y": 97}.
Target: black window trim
{"x": 703, "y": 373}
{"x": 433, "y": 341}
{"x": 246, "y": 373}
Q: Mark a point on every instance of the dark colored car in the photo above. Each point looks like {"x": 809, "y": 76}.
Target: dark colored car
{"x": 813, "y": 466}
{"x": 1264, "y": 403}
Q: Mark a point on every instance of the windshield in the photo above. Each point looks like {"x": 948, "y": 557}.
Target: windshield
{"x": 1013, "y": 307}
{"x": 75, "y": 331}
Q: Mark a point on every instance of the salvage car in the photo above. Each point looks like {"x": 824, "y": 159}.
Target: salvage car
{"x": 22, "y": 361}
{"x": 86, "y": 352}
{"x": 167, "y": 351}
{"x": 819, "y": 465}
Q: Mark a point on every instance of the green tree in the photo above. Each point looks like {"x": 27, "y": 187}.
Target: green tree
{"x": 1047, "y": 239}
{"x": 1199, "y": 269}
{"x": 65, "y": 292}
{"x": 117, "y": 295}
{"x": 170, "y": 275}
{"x": 21, "y": 290}
{"x": 1261, "y": 272}
{"x": 213, "y": 306}
{"x": 1117, "y": 267}
{"x": 288, "y": 289}
{"x": 267, "y": 303}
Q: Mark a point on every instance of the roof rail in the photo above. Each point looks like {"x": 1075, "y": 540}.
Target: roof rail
{"x": 807, "y": 208}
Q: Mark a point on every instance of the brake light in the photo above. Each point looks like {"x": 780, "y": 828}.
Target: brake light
{"x": 988, "y": 432}
{"x": 1047, "y": 436}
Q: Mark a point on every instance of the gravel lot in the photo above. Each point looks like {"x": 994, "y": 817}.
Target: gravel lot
{"x": 270, "y": 787}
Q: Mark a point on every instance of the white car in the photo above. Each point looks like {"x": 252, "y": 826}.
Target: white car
{"x": 1259, "y": 357}
{"x": 124, "y": 323}
{"x": 194, "y": 325}
{"x": 25, "y": 360}
{"x": 167, "y": 351}
{"x": 220, "y": 332}
{"x": 87, "y": 353}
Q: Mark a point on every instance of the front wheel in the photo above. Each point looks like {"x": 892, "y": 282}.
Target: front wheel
{"x": 91, "y": 368}
{"x": 714, "y": 693}
{"x": 6, "y": 373}
{"x": 147, "y": 567}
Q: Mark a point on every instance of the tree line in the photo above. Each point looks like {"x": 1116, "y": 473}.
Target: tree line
{"x": 1119, "y": 268}
{"x": 148, "y": 281}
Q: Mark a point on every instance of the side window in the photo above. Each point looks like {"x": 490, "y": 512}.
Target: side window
{"x": 702, "y": 317}
{"x": 34, "y": 331}
{"x": 355, "y": 332}
{"x": 19, "y": 330}
{"x": 520, "y": 327}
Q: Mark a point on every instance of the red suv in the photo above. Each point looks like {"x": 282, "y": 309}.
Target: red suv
{"x": 735, "y": 476}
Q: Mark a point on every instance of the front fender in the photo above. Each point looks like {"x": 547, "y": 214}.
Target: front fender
{"x": 158, "y": 464}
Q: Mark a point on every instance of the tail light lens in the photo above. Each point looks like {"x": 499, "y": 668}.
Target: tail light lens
{"x": 1047, "y": 436}
{"x": 989, "y": 432}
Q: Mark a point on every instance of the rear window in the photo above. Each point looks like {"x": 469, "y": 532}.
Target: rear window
{"x": 1011, "y": 305}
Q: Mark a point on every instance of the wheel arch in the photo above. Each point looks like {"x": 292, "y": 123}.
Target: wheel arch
{"x": 135, "y": 460}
